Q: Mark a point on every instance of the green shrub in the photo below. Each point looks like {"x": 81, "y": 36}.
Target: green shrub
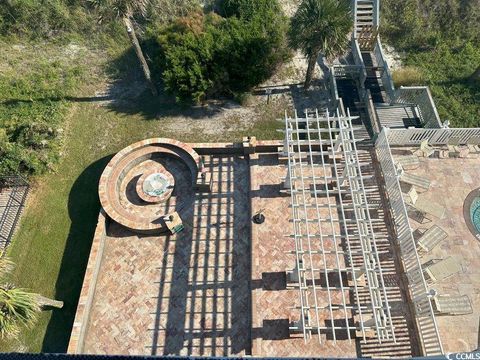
{"x": 420, "y": 25}
{"x": 45, "y": 18}
{"x": 32, "y": 112}
{"x": 247, "y": 9}
{"x": 186, "y": 56}
{"x": 207, "y": 55}
{"x": 441, "y": 40}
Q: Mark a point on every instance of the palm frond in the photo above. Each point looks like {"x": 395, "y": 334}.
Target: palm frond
{"x": 17, "y": 308}
{"x": 321, "y": 25}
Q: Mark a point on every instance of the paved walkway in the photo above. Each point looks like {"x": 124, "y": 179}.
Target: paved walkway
{"x": 180, "y": 295}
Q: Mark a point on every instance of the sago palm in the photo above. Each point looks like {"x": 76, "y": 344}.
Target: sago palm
{"x": 17, "y": 307}
{"x": 320, "y": 26}
{"x": 125, "y": 10}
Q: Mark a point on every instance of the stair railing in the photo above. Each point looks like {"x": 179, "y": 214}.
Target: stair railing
{"x": 387, "y": 80}
{"x": 376, "y": 13}
{"x": 357, "y": 57}
{"x": 422, "y": 98}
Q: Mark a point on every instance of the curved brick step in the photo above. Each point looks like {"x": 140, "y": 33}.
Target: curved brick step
{"x": 127, "y": 159}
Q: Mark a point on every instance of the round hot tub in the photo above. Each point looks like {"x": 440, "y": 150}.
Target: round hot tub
{"x": 471, "y": 212}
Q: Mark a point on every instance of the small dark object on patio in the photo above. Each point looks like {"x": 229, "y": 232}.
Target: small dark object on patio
{"x": 259, "y": 218}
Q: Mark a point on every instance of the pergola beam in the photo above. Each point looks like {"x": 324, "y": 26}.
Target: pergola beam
{"x": 322, "y": 154}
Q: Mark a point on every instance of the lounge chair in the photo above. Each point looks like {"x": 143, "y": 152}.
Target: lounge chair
{"x": 408, "y": 161}
{"x": 454, "y": 148}
{"x": 423, "y": 206}
{"x": 426, "y": 150}
{"x": 431, "y": 238}
{"x": 415, "y": 180}
{"x": 430, "y": 207}
{"x": 473, "y": 144}
{"x": 411, "y": 196}
{"x": 452, "y": 305}
{"x": 441, "y": 269}
{"x": 417, "y": 215}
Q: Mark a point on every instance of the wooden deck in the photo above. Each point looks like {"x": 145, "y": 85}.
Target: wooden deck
{"x": 398, "y": 116}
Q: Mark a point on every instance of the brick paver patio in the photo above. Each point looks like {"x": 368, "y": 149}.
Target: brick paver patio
{"x": 219, "y": 287}
{"x": 273, "y": 302}
{"x": 451, "y": 181}
{"x": 180, "y": 295}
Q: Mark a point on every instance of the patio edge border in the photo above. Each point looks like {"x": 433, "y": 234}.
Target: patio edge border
{"x": 82, "y": 315}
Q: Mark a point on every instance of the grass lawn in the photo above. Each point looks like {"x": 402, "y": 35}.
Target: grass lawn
{"x": 52, "y": 244}
{"x": 446, "y": 70}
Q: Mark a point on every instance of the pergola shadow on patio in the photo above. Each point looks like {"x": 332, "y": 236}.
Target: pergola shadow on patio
{"x": 326, "y": 225}
{"x": 183, "y": 294}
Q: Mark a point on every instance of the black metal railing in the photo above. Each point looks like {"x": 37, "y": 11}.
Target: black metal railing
{"x": 13, "y": 194}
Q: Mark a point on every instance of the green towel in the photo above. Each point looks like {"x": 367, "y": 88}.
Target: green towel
{"x": 178, "y": 228}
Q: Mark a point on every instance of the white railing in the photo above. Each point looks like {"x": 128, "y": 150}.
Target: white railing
{"x": 409, "y": 137}
{"x": 357, "y": 57}
{"x": 420, "y": 96}
{"x": 337, "y": 101}
{"x": 424, "y": 317}
{"x": 387, "y": 81}
{"x": 376, "y": 13}
{"x": 333, "y": 87}
{"x": 372, "y": 113}
{"x": 344, "y": 71}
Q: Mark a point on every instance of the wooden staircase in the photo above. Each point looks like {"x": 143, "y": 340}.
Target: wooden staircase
{"x": 373, "y": 82}
{"x": 364, "y": 16}
{"x": 348, "y": 91}
{"x": 366, "y": 26}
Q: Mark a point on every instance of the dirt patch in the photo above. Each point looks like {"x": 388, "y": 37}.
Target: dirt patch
{"x": 260, "y": 109}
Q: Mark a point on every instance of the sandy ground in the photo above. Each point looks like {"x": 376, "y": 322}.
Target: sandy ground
{"x": 394, "y": 59}
{"x": 217, "y": 117}
{"x": 213, "y": 118}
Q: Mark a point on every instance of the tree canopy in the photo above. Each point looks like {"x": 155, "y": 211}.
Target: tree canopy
{"x": 321, "y": 25}
{"x": 203, "y": 55}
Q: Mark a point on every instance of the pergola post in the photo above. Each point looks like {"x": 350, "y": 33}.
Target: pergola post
{"x": 318, "y": 214}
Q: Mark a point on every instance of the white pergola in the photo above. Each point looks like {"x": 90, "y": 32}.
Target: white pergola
{"x": 338, "y": 271}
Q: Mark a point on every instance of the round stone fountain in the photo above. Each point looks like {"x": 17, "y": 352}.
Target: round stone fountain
{"x": 155, "y": 185}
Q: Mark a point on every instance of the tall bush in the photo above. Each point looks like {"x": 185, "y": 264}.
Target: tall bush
{"x": 44, "y": 18}
{"x": 420, "y": 25}
{"x": 248, "y": 9}
{"x": 205, "y": 55}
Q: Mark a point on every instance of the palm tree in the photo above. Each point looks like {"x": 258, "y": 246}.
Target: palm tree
{"x": 125, "y": 10}
{"x": 18, "y": 307}
{"x": 320, "y": 26}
